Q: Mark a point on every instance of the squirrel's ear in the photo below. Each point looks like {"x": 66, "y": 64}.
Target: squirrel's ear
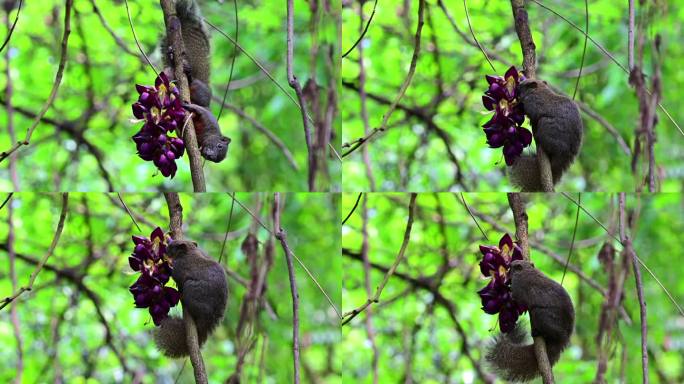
{"x": 195, "y": 243}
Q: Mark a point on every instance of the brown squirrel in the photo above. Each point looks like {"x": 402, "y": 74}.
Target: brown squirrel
{"x": 202, "y": 285}
{"x": 557, "y": 129}
{"x": 552, "y": 317}
{"x": 213, "y": 145}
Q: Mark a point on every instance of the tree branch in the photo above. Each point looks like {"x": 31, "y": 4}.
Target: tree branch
{"x": 282, "y": 237}
{"x": 175, "y": 225}
{"x": 175, "y": 41}
{"x": 527, "y": 46}
{"x": 520, "y": 218}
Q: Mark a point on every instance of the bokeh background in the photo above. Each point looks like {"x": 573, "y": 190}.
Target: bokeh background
{"x": 84, "y": 142}
{"x": 428, "y": 326}
{"x": 434, "y": 140}
{"x": 79, "y": 323}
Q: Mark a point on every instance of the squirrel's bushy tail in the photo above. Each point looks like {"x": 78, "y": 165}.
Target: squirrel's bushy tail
{"x": 171, "y": 339}
{"x": 524, "y": 173}
{"x": 513, "y": 360}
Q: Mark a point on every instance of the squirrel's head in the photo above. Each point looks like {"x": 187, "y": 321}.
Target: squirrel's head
{"x": 529, "y": 85}
{"x": 180, "y": 248}
{"x": 215, "y": 149}
{"x": 519, "y": 266}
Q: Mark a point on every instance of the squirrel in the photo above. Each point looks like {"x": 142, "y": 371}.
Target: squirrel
{"x": 213, "y": 145}
{"x": 552, "y": 317}
{"x": 557, "y": 129}
{"x": 202, "y": 285}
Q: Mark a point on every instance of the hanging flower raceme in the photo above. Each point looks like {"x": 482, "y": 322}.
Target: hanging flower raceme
{"x": 496, "y": 296}
{"x": 150, "y": 259}
{"x": 505, "y": 129}
{"x": 161, "y": 109}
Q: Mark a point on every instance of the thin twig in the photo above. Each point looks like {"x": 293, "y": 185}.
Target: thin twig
{"x": 356, "y": 204}
{"x": 14, "y": 24}
{"x": 472, "y": 33}
{"x": 473, "y": 217}
{"x": 117, "y": 39}
{"x": 9, "y": 196}
{"x": 135, "y": 37}
{"x": 584, "y": 50}
{"x": 363, "y": 33}
{"x": 574, "y": 233}
{"x": 51, "y": 249}
{"x": 130, "y": 214}
{"x": 232, "y": 62}
{"x": 349, "y": 316}
{"x": 55, "y": 84}
{"x": 402, "y": 89}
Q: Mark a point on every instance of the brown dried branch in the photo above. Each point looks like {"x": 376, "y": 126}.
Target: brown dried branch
{"x": 520, "y": 218}
{"x": 175, "y": 226}
{"x": 527, "y": 46}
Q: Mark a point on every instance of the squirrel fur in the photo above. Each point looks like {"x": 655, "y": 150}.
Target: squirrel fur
{"x": 557, "y": 129}
{"x": 213, "y": 145}
{"x": 552, "y": 317}
{"x": 202, "y": 285}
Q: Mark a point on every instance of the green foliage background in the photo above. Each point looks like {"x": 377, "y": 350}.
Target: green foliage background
{"x": 412, "y": 156}
{"x": 58, "y": 158}
{"x": 413, "y": 339}
{"x": 63, "y": 337}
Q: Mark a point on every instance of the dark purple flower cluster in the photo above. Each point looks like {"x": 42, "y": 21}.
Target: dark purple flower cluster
{"x": 149, "y": 258}
{"x": 496, "y": 296}
{"x": 161, "y": 109}
{"x": 504, "y": 128}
